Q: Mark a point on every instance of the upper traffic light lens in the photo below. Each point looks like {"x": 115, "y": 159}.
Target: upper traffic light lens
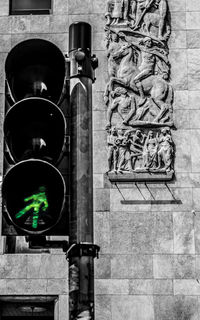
{"x": 33, "y": 194}
{"x": 35, "y": 128}
{"x": 35, "y": 68}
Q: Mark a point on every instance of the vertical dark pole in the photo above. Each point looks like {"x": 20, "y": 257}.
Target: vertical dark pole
{"x": 82, "y": 251}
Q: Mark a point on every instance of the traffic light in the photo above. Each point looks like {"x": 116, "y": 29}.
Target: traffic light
{"x": 35, "y": 160}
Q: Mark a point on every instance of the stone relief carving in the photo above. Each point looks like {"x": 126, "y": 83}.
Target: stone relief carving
{"x": 140, "y": 151}
{"x": 139, "y": 96}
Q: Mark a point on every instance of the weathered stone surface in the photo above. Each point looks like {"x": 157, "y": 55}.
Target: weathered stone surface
{"x": 13, "y": 266}
{"x": 178, "y": 72}
{"x": 132, "y": 307}
{"x": 195, "y": 150}
{"x": 184, "y": 233}
{"x": 187, "y": 287}
{"x": 60, "y": 7}
{"x": 192, "y": 20}
{"x": 103, "y": 267}
{"x": 141, "y": 287}
{"x": 63, "y": 306}
{"x": 177, "y": 5}
{"x": 132, "y": 266}
{"x": 47, "y": 266}
{"x": 111, "y": 286}
{"x": 193, "y": 69}
{"x": 177, "y": 39}
{"x": 193, "y": 39}
{"x": 192, "y": 5}
{"x": 4, "y": 7}
{"x": 163, "y": 233}
{"x": 101, "y": 200}
{"x": 102, "y": 231}
{"x": 103, "y": 307}
{"x": 176, "y": 308}
{"x": 182, "y": 140}
{"x": 57, "y": 286}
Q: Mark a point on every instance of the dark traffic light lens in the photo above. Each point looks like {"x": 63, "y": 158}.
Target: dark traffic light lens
{"x": 35, "y": 128}
{"x": 33, "y": 193}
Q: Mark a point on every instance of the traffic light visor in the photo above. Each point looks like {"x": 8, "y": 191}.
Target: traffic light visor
{"x": 35, "y": 128}
{"x": 35, "y": 67}
{"x": 33, "y": 196}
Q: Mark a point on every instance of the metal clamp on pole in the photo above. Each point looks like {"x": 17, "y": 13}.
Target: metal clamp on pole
{"x": 82, "y": 63}
{"x": 83, "y": 249}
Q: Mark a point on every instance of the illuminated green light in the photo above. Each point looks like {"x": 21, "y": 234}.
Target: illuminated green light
{"x": 39, "y": 202}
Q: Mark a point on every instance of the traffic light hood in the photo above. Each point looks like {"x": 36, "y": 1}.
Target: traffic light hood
{"x": 35, "y": 68}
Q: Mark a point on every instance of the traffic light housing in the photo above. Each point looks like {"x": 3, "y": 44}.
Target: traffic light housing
{"x": 34, "y": 193}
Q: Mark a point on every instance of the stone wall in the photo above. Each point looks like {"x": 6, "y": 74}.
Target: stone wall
{"x": 150, "y": 253}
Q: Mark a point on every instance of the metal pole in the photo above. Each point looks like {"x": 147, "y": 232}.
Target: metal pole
{"x": 82, "y": 251}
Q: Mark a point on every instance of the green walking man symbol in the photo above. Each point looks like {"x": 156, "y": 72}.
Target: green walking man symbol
{"x": 39, "y": 202}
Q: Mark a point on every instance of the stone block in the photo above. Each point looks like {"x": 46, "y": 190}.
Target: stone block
{"x": 132, "y": 266}
{"x": 182, "y": 119}
{"x": 103, "y": 267}
{"x": 100, "y": 151}
{"x": 102, "y": 231}
{"x": 63, "y": 306}
{"x": 47, "y": 266}
{"x": 98, "y": 101}
{"x": 192, "y": 20}
{"x": 182, "y": 140}
{"x": 116, "y": 195}
{"x": 181, "y": 100}
{"x": 176, "y": 308}
{"x": 5, "y": 43}
{"x": 103, "y": 307}
{"x": 60, "y": 7}
{"x": 99, "y": 6}
{"x": 80, "y": 7}
{"x": 162, "y": 287}
{"x": 121, "y": 242}
{"x": 4, "y": 7}
{"x": 3, "y": 286}
{"x": 195, "y": 150}
{"x": 5, "y": 25}
{"x": 132, "y": 307}
{"x": 111, "y": 286}
{"x": 39, "y": 23}
{"x": 20, "y": 24}
{"x": 101, "y": 200}
{"x": 13, "y": 266}
{"x": 194, "y": 69}
{"x": 177, "y": 5}
{"x": 99, "y": 120}
{"x": 98, "y": 181}
{"x": 57, "y": 286}
{"x": 101, "y": 72}
{"x": 197, "y": 231}
{"x": 178, "y": 20}
{"x": 183, "y": 233}
{"x": 142, "y": 234}
{"x": 177, "y": 39}
{"x": 163, "y": 266}
{"x": 194, "y": 100}
{"x": 99, "y": 42}
{"x": 187, "y": 287}
{"x": 193, "y": 39}
{"x": 177, "y": 59}
{"x": 58, "y": 23}
{"x": 192, "y": 4}
{"x": 163, "y": 232}
{"x": 184, "y": 266}
{"x": 141, "y": 287}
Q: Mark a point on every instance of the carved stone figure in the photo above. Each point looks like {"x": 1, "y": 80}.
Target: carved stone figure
{"x": 124, "y": 104}
{"x": 113, "y": 47}
{"x": 165, "y": 153}
{"x": 150, "y": 152}
{"x": 112, "y": 149}
{"x": 117, "y": 10}
{"x": 122, "y": 143}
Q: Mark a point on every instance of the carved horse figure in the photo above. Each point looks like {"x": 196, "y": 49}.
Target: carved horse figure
{"x": 154, "y": 86}
{"x": 156, "y": 17}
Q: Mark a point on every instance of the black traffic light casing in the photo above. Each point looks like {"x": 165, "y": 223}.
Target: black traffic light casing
{"x": 35, "y": 197}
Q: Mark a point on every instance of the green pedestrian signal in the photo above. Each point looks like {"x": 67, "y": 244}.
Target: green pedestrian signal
{"x": 38, "y": 203}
